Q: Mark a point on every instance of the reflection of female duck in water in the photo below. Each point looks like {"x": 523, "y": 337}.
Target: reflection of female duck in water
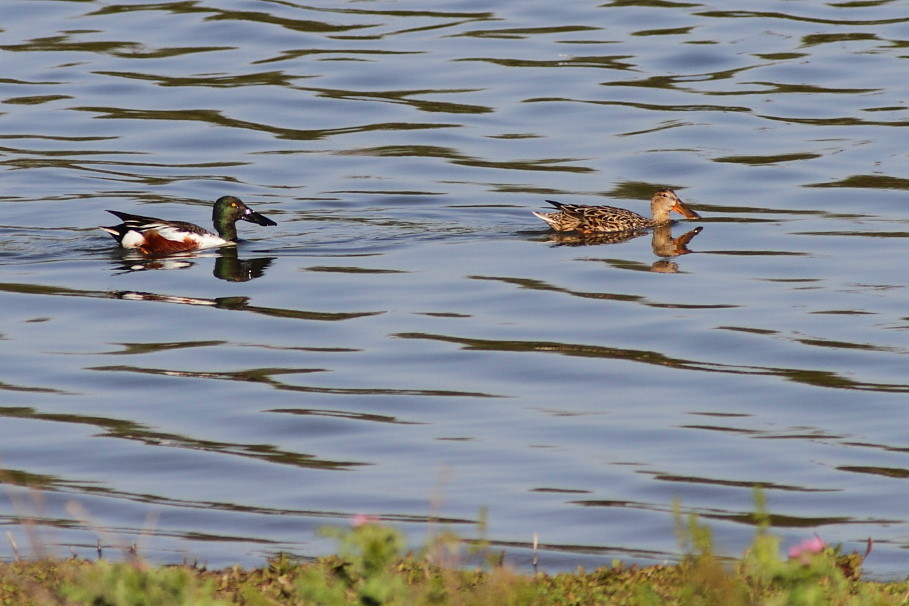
{"x": 605, "y": 219}
{"x": 662, "y": 242}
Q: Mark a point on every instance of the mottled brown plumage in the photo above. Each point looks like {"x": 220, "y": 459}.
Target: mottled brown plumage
{"x": 599, "y": 219}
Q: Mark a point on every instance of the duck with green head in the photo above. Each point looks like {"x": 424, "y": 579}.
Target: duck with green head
{"x": 155, "y": 237}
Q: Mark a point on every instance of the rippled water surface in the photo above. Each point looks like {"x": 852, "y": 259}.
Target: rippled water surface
{"x": 409, "y": 341}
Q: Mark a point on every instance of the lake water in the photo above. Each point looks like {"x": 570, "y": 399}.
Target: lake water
{"x": 409, "y": 341}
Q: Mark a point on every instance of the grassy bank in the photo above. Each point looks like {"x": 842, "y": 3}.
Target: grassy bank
{"x": 371, "y": 568}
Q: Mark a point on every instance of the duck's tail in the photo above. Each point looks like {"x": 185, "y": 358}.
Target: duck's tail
{"x": 548, "y": 217}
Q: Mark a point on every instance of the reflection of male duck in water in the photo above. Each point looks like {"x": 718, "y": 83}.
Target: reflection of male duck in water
{"x": 609, "y": 219}
{"x": 228, "y": 265}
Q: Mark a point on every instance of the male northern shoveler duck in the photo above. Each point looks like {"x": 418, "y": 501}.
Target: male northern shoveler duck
{"x": 599, "y": 219}
{"x": 152, "y": 236}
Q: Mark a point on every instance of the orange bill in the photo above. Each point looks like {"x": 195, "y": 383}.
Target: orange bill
{"x": 683, "y": 209}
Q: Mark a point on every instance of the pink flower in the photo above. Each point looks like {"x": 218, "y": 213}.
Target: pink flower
{"x": 361, "y": 519}
{"x": 807, "y": 547}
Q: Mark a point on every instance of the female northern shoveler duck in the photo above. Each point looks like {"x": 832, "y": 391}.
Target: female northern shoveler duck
{"x": 599, "y": 219}
{"x": 152, "y": 236}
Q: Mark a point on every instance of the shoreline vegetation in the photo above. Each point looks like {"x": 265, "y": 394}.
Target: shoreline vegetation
{"x": 372, "y": 567}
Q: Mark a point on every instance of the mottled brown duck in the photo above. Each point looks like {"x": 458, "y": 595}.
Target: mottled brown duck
{"x": 600, "y": 219}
